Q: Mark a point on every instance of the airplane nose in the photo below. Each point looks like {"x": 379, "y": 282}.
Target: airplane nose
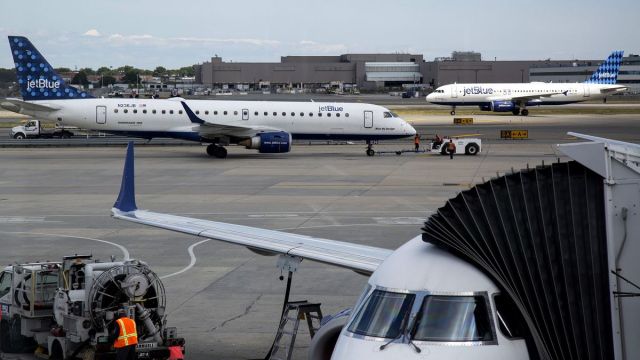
{"x": 409, "y": 130}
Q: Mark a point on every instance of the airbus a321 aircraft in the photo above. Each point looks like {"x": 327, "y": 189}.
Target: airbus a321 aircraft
{"x": 265, "y": 126}
{"x": 516, "y": 97}
{"x": 420, "y": 300}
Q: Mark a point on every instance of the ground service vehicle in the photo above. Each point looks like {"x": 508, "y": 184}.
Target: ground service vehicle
{"x": 467, "y": 146}
{"x": 34, "y": 130}
{"x": 67, "y": 309}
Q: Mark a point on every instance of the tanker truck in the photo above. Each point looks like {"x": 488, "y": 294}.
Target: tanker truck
{"x": 67, "y": 309}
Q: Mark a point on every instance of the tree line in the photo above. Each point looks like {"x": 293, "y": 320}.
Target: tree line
{"x": 129, "y": 74}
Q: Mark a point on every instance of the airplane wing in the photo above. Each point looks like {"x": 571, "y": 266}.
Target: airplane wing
{"x": 210, "y": 129}
{"x": 360, "y": 258}
{"x": 21, "y": 106}
{"x": 525, "y": 98}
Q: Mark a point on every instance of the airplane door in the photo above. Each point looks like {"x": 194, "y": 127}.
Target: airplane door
{"x": 245, "y": 114}
{"x": 368, "y": 119}
{"x": 586, "y": 89}
{"x": 101, "y": 114}
{"x": 454, "y": 91}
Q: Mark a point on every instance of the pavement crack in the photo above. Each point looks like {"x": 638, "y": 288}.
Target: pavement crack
{"x": 246, "y": 311}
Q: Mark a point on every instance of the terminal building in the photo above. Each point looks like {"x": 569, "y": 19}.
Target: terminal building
{"x": 381, "y": 72}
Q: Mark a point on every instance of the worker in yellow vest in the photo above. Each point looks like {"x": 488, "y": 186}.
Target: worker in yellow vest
{"x": 124, "y": 337}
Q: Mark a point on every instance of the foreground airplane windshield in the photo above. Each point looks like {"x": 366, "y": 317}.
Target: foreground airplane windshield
{"x": 268, "y": 127}
{"x": 516, "y": 97}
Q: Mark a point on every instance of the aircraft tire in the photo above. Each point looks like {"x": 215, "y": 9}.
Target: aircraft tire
{"x": 453, "y": 112}
{"x": 370, "y": 152}
{"x": 220, "y": 152}
{"x": 524, "y": 112}
{"x": 516, "y": 112}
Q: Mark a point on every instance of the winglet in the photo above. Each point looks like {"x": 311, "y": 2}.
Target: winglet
{"x": 193, "y": 117}
{"x": 127, "y": 198}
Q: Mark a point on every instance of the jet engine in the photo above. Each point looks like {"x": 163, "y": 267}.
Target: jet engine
{"x": 269, "y": 142}
{"x": 502, "y": 106}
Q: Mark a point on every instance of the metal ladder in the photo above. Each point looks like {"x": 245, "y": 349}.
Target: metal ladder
{"x": 286, "y": 337}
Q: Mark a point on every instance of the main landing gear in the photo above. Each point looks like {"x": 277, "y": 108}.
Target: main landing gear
{"x": 453, "y": 110}
{"x": 217, "y": 151}
{"x": 370, "y": 151}
{"x": 520, "y": 111}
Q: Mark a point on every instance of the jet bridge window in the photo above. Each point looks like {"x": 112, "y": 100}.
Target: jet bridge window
{"x": 453, "y": 319}
{"x": 383, "y": 315}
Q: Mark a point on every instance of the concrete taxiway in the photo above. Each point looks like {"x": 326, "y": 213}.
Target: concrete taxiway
{"x": 225, "y": 299}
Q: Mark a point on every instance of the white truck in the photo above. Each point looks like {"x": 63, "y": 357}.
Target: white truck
{"x": 68, "y": 309}
{"x": 467, "y": 146}
{"x": 34, "y": 130}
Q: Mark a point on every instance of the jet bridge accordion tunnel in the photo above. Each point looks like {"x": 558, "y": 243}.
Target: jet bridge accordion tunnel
{"x": 540, "y": 235}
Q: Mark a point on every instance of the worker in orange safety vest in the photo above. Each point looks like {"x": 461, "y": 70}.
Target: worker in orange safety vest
{"x": 124, "y": 337}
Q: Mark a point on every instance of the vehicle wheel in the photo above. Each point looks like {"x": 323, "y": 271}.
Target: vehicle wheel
{"x": 443, "y": 150}
{"x": 516, "y": 112}
{"x": 211, "y": 150}
{"x": 370, "y": 152}
{"x": 398, "y": 152}
{"x": 472, "y": 149}
{"x": 220, "y": 152}
{"x": 525, "y": 112}
{"x": 19, "y": 136}
{"x": 453, "y": 112}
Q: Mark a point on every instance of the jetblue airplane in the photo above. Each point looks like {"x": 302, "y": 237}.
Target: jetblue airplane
{"x": 268, "y": 127}
{"x": 516, "y": 97}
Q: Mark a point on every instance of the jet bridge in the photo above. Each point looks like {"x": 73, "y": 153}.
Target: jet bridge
{"x": 561, "y": 240}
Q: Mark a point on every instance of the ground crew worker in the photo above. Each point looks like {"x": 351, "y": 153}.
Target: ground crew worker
{"x": 416, "y": 141}
{"x": 451, "y": 148}
{"x": 125, "y": 337}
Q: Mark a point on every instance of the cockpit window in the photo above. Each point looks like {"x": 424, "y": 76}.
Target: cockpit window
{"x": 387, "y": 114}
{"x": 383, "y": 314}
{"x": 453, "y": 318}
{"x": 394, "y": 114}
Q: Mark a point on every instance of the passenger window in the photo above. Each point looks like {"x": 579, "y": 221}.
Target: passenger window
{"x": 215, "y": 112}
{"x": 310, "y": 114}
{"x": 284, "y": 113}
{"x": 301, "y": 114}
{"x": 171, "y": 112}
{"x": 255, "y": 113}
{"x": 266, "y": 113}
{"x": 179, "y": 111}
{"x": 225, "y": 112}
{"x": 164, "y": 111}
{"x": 275, "y": 113}
{"x": 144, "y": 111}
{"x": 126, "y": 111}
{"x": 153, "y": 111}
{"x": 383, "y": 315}
{"x": 338, "y": 115}
{"x": 197, "y": 112}
{"x": 319, "y": 114}
{"x": 206, "y": 112}
{"x": 293, "y": 114}
{"x": 328, "y": 114}
{"x": 453, "y": 318}
{"x": 135, "y": 111}
{"x": 115, "y": 111}
{"x": 235, "y": 113}
{"x": 346, "y": 115}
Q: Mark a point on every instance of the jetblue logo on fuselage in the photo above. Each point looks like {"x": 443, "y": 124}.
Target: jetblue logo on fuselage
{"x": 477, "y": 90}
{"x": 43, "y": 84}
{"x": 330, "y": 108}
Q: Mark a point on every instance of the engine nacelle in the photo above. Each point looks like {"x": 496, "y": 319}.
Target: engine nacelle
{"x": 324, "y": 341}
{"x": 272, "y": 142}
{"x": 503, "y": 106}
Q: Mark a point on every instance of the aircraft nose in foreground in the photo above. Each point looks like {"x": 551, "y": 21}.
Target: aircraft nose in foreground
{"x": 408, "y": 129}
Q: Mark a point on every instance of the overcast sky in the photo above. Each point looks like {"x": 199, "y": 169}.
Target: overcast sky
{"x": 148, "y": 33}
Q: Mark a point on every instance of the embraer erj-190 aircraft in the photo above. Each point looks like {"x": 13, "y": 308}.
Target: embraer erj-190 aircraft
{"x": 265, "y": 126}
{"x": 516, "y": 97}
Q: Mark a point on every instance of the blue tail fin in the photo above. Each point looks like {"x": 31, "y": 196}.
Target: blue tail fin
{"x": 127, "y": 197}
{"x": 607, "y": 72}
{"x": 37, "y": 79}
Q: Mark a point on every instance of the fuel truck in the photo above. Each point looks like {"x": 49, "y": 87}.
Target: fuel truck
{"x": 67, "y": 309}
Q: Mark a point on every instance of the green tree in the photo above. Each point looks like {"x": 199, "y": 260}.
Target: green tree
{"x": 80, "y": 78}
{"x": 131, "y": 75}
{"x": 185, "y": 71}
{"x": 159, "y": 71}
{"x": 62, "y": 70}
{"x": 88, "y": 71}
{"x": 103, "y": 70}
{"x": 108, "y": 80}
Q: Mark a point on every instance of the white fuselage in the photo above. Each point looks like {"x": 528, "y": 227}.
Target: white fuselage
{"x": 484, "y": 94}
{"x": 149, "y": 118}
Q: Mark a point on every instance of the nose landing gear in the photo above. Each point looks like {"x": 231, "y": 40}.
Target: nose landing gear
{"x": 370, "y": 151}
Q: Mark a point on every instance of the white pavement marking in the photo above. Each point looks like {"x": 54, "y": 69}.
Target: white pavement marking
{"x": 191, "y": 263}
{"x": 124, "y": 250}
